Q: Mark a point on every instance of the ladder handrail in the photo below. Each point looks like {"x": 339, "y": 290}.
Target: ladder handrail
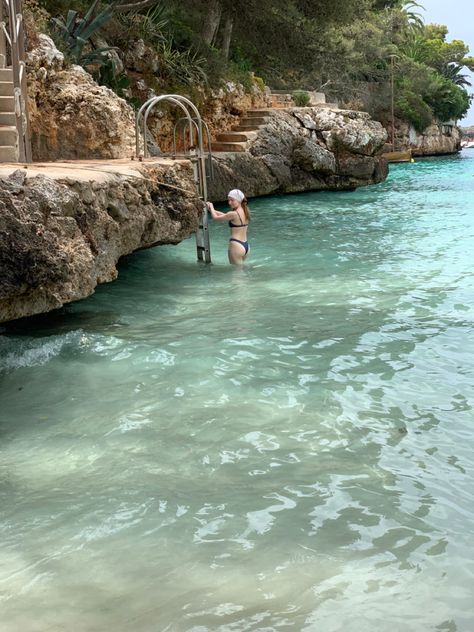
{"x": 14, "y": 36}
{"x": 154, "y": 102}
{"x": 174, "y": 132}
{"x": 148, "y": 105}
{"x": 197, "y": 158}
{"x": 208, "y": 138}
{"x": 177, "y": 99}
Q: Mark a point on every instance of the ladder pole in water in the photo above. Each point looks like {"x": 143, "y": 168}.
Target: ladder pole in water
{"x": 197, "y": 157}
{"x": 203, "y": 245}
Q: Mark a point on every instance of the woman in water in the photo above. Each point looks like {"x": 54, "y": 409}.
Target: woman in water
{"x": 239, "y": 218}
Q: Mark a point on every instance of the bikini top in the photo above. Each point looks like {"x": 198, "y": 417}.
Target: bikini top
{"x": 232, "y": 225}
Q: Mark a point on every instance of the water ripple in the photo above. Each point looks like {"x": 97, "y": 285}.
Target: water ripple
{"x": 285, "y": 447}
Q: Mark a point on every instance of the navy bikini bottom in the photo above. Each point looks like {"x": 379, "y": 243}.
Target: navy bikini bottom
{"x": 245, "y": 244}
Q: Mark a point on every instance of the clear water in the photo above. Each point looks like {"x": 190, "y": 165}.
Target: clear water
{"x": 287, "y": 447}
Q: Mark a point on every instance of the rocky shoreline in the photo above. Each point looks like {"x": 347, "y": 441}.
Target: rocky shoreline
{"x": 436, "y": 140}
{"x": 64, "y": 226}
{"x": 62, "y": 234}
{"x": 305, "y": 149}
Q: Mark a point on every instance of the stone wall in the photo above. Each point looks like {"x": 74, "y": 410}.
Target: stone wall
{"x": 61, "y": 235}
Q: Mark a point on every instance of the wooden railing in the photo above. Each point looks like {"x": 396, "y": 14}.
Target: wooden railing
{"x": 12, "y": 54}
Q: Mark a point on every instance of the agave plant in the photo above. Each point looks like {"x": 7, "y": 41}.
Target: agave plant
{"x": 186, "y": 67}
{"x": 154, "y": 23}
{"x": 76, "y": 33}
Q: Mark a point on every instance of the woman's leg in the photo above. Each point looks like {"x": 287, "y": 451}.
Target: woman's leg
{"x": 237, "y": 253}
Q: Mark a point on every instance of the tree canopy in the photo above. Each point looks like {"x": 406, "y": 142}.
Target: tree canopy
{"x": 343, "y": 47}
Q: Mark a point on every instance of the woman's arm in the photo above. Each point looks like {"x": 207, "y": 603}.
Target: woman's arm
{"x": 218, "y": 216}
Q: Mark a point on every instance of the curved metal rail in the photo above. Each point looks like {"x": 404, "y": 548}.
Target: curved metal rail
{"x": 210, "y": 174}
{"x": 196, "y": 155}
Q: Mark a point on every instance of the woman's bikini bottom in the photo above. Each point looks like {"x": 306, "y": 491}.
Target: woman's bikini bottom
{"x": 245, "y": 244}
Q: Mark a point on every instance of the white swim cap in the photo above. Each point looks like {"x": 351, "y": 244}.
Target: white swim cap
{"x": 236, "y": 194}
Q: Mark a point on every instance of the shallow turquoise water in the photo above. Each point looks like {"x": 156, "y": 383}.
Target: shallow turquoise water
{"x": 287, "y": 447}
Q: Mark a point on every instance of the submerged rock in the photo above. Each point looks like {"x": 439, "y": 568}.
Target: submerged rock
{"x": 305, "y": 149}
{"x": 61, "y": 236}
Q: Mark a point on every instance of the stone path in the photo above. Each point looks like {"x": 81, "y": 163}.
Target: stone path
{"x": 89, "y": 170}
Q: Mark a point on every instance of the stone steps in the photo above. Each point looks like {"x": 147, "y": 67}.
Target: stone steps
{"x": 245, "y": 128}
{"x": 8, "y": 135}
{"x": 7, "y": 104}
{"x": 6, "y": 74}
{"x": 232, "y": 147}
{"x": 235, "y": 137}
{"x": 259, "y": 113}
{"x": 9, "y": 151}
{"x": 6, "y": 88}
{"x": 7, "y": 118}
{"x": 253, "y": 120}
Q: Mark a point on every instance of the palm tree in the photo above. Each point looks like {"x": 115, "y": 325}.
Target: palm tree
{"x": 454, "y": 74}
{"x": 415, "y": 19}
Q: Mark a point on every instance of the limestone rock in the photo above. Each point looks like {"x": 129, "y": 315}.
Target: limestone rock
{"x": 437, "y": 139}
{"x": 312, "y": 157}
{"x": 303, "y": 149}
{"x": 352, "y": 131}
{"x": 141, "y": 58}
{"x": 71, "y": 116}
{"x": 59, "y": 239}
{"x": 230, "y": 169}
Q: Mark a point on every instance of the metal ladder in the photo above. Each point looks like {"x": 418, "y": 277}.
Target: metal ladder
{"x": 194, "y": 127}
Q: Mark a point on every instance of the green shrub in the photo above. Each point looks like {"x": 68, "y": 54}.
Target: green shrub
{"x": 301, "y": 98}
{"x": 182, "y": 67}
{"x": 447, "y": 100}
{"x": 411, "y": 107}
{"x": 260, "y": 83}
{"x": 107, "y": 76}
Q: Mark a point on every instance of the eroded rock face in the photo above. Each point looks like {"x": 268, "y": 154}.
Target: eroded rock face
{"x": 71, "y": 116}
{"x": 304, "y": 149}
{"x": 436, "y": 140}
{"x": 59, "y": 239}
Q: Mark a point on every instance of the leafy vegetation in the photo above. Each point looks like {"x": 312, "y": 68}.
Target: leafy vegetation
{"x": 349, "y": 49}
{"x": 76, "y": 33}
{"x": 300, "y": 98}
